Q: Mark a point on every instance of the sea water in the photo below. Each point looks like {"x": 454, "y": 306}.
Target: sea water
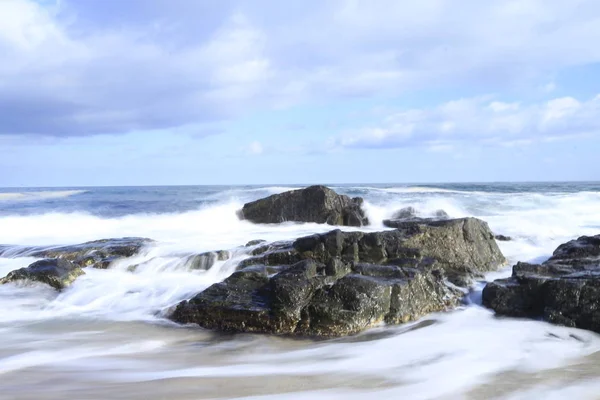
{"x": 107, "y": 336}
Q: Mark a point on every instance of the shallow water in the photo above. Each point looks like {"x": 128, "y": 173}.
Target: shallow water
{"x": 106, "y": 337}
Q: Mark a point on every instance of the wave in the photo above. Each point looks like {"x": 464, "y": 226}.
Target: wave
{"x": 36, "y": 196}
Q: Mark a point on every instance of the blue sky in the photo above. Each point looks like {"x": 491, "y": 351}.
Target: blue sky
{"x": 143, "y": 92}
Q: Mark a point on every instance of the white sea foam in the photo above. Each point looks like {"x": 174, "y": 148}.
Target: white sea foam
{"x": 36, "y": 196}
{"x": 459, "y": 352}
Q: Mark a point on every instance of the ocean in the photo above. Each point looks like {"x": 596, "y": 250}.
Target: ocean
{"x": 106, "y": 336}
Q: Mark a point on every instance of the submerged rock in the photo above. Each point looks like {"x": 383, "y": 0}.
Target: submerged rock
{"x": 313, "y": 204}
{"x": 205, "y": 261}
{"x": 58, "y": 273}
{"x": 405, "y": 213}
{"x": 564, "y": 290}
{"x": 441, "y": 214}
{"x": 340, "y": 283}
{"x": 255, "y": 242}
{"x": 409, "y": 214}
{"x": 503, "y": 238}
{"x": 96, "y": 254}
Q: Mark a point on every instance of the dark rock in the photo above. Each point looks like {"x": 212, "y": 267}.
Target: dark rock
{"x": 313, "y": 204}
{"x": 564, "y": 290}
{"x": 270, "y": 247}
{"x": 463, "y": 248}
{"x": 405, "y": 213}
{"x": 409, "y": 214}
{"x": 58, "y": 273}
{"x": 305, "y": 300}
{"x": 340, "y": 283}
{"x": 441, "y": 214}
{"x": 255, "y": 242}
{"x": 205, "y": 261}
{"x": 503, "y": 238}
{"x": 97, "y": 254}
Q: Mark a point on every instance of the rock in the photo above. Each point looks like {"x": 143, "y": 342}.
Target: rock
{"x": 256, "y": 242}
{"x": 340, "y": 283}
{"x": 463, "y": 248}
{"x": 205, "y": 261}
{"x": 409, "y": 214}
{"x": 58, "y": 273}
{"x": 305, "y": 300}
{"x": 564, "y": 290}
{"x": 441, "y": 214}
{"x": 313, "y": 204}
{"x": 405, "y": 213}
{"x": 503, "y": 238}
{"x": 96, "y": 254}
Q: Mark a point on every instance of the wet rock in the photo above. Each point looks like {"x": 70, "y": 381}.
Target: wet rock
{"x": 463, "y": 247}
{"x": 441, "y": 214}
{"x": 313, "y": 204}
{"x": 205, "y": 261}
{"x": 306, "y": 300}
{"x": 409, "y": 214}
{"x": 405, "y": 213}
{"x": 96, "y": 254}
{"x": 256, "y": 242}
{"x": 270, "y": 247}
{"x": 340, "y": 283}
{"x": 564, "y": 290}
{"x": 503, "y": 238}
{"x": 58, "y": 273}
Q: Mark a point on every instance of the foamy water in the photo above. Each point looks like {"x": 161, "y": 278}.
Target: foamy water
{"x": 106, "y": 336}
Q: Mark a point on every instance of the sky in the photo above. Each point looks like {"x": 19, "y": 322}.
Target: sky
{"x": 180, "y": 92}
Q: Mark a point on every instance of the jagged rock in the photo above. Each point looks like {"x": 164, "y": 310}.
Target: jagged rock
{"x": 503, "y": 238}
{"x": 205, "y": 261}
{"x": 564, "y": 290}
{"x": 464, "y": 248}
{"x": 96, "y": 254}
{"x": 313, "y": 204}
{"x": 340, "y": 283}
{"x": 58, "y": 273}
{"x": 305, "y": 300}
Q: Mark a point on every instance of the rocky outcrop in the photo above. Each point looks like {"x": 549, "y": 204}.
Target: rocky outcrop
{"x": 340, "y": 283}
{"x": 58, "y": 273}
{"x": 311, "y": 299}
{"x": 313, "y": 204}
{"x": 564, "y": 290}
{"x": 96, "y": 254}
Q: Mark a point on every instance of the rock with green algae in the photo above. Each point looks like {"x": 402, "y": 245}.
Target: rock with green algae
{"x": 340, "y": 283}
{"x": 55, "y": 272}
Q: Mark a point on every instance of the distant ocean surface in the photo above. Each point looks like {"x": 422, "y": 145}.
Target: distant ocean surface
{"x": 106, "y": 336}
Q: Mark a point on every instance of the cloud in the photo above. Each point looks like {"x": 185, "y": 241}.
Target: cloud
{"x": 255, "y": 148}
{"x": 479, "y": 120}
{"x": 84, "y": 68}
{"x": 549, "y": 87}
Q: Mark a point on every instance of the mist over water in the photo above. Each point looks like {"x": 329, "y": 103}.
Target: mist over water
{"x": 106, "y": 336}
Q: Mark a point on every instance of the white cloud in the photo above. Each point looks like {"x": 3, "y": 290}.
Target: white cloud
{"x": 549, "y": 87}
{"x": 83, "y": 68}
{"x": 255, "y": 148}
{"x": 479, "y": 120}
